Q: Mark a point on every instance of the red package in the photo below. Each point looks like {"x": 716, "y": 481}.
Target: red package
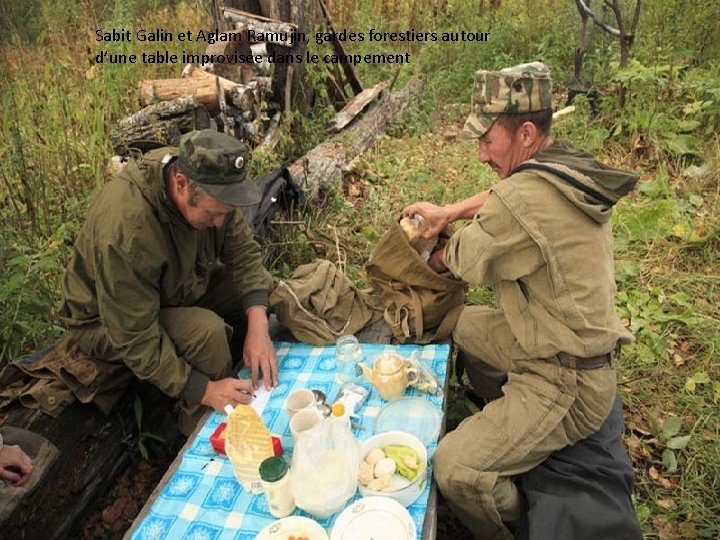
{"x": 217, "y": 439}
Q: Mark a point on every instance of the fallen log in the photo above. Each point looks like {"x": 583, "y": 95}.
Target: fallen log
{"x": 355, "y": 106}
{"x": 93, "y": 449}
{"x": 322, "y": 167}
{"x": 161, "y": 123}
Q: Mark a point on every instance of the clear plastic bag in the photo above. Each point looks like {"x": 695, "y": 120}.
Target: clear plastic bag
{"x": 324, "y": 468}
{"x": 426, "y": 380}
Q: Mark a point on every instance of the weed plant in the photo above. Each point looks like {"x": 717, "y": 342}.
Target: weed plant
{"x": 58, "y": 109}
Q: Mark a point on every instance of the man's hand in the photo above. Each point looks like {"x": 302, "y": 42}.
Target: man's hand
{"x": 228, "y": 391}
{"x": 258, "y": 351}
{"x": 437, "y": 217}
{"x": 15, "y": 465}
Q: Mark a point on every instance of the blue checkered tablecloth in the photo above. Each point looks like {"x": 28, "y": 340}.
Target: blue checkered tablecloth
{"x": 203, "y": 499}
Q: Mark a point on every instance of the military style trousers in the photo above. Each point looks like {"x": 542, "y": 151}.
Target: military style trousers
{"x": 202, "y": 335}
{"x": 537, "y": 407}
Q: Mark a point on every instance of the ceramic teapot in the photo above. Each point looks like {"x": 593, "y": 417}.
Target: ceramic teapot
{"x": 390, "y": 375}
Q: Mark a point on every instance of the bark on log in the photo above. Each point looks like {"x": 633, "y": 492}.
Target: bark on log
{"x": 241, "y": 96}
{"x": 162, "y": 123}
{"x": 191, "y": 71}
{"x": 94, "y": 450}
{"x": 273, "y": 31}
{"x": 355, "y": 106}
{"x": 322, "y": 167}
{"x": 206, "y": 91}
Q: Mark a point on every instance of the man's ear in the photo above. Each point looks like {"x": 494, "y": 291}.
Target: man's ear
{"x": 181, "y": 181}
{"x": 528, "y": 134}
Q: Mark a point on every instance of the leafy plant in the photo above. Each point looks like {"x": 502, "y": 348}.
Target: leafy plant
{"x": 141, "y": 438}
{"x": 666, "y": 432}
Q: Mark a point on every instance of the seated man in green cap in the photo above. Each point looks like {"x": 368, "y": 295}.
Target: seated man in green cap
{"x": 544, "y": 360}
{"x": 165, "y": 268}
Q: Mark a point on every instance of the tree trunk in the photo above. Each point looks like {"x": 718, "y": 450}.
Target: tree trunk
{"x": 581, "y": 49}
{"x": 322, "y": 167}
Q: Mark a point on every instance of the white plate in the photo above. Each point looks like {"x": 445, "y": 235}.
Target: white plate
{"x": 374, "y": 518}
{"x": 293, "y": 525}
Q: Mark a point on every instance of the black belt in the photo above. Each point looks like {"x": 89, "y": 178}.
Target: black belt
{"x": 577, "y": 362}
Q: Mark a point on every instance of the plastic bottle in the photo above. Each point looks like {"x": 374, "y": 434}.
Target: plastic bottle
{"x": 275, "y": 478}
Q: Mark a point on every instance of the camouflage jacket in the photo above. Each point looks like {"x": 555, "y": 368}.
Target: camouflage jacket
{"x": 136, "y": 254}
{"x": 546, "y": 248}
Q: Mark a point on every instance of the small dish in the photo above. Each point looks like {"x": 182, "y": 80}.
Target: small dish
{"x": 401, "y": 489}
{"x": 298, "y": 526}
{"x": 374, "y": 517}
{"x": 413, "y": 415}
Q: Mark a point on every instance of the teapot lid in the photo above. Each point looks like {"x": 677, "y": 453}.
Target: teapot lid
{"x": 388, "y": 362}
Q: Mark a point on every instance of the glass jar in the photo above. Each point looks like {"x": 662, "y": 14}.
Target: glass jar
{"x": 348, "y": 356}
{"x": 275, "y": 478}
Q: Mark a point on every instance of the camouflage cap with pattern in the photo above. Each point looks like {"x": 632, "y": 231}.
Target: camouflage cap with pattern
{"x": 218, "y": 163}
{"x": 518, "y": 89}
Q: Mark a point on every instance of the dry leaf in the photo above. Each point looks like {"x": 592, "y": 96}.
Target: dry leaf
{"x": 668, "y": 483}
{"x": 666, "y": 504}
{"x": 653, "y": 473}
{"x": 678, "y": 360}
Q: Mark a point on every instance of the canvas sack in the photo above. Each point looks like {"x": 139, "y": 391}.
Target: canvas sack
{"x": 318, "y": 304}
{"x": 420, "y": 305}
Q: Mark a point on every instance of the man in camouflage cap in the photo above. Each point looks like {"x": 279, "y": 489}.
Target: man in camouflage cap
{"x": 165, "y": 269}
{"x": 542, "y": 363}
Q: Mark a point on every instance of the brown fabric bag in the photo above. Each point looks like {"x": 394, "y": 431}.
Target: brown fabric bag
{"x": 53, "y": 378}
{"x": 318, "y": 304}
{"x": 421, "y": 305}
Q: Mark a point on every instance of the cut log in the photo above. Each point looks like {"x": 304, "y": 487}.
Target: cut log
{"x": 205, "y": 90}
{"x": 263, "y": 29}
{"x": 161, "y": 123}
{"x": 322, "y": 167}
{"x": 193, "y": 72}
{"x": 228, "y": 47}
{"x": 241, "y": 96}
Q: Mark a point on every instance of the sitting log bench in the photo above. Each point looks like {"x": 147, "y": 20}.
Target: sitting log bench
{"x": 92, "y": 450}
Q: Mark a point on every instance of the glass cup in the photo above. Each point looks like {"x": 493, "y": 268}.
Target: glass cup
{"x": 348, "y": 356}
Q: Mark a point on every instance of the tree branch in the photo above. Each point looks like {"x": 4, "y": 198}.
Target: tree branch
{"x": 583, "y": 8}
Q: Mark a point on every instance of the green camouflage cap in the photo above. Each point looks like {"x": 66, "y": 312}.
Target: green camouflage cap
{"x": 218, "y": 163}
{"x": 518, "y": 89}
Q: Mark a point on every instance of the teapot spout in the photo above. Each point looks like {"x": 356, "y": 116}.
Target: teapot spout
{"x": 367, "y": 372}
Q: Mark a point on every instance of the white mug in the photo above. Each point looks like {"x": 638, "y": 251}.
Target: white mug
{"x": 300, "y": 399}
{"x": 304, "y": 422}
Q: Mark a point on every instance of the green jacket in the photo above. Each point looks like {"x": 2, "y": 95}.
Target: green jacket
{"x": 546, "y": 248}
{"x": 136, "y": 254}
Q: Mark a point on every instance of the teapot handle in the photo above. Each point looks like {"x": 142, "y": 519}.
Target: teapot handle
{"x": 412, "y": 375}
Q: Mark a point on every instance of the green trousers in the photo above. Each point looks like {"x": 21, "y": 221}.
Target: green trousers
{"x": 202, "y": 336}
{"x": 537, "y": 407}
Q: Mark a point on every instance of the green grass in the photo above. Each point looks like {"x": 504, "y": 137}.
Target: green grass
{"x": 58, "y": 112}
